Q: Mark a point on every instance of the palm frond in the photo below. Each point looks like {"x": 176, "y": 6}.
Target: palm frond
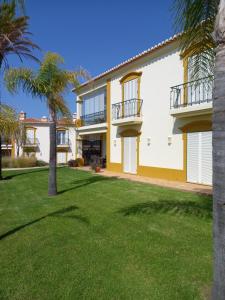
{"x": 24, "y": 79}
{"x": 14, "y": 36}
{"x": 195, "y": 18}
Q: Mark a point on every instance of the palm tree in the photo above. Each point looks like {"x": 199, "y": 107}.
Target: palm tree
{"x": 48, "y": 83}
{"x": 14, "y": 39}
{"x": 20, "y": 4}
{"x": 9, "y": 124}
{"x": 198, "y": 19}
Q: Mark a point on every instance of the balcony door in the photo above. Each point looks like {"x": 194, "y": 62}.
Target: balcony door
{"x": 130, "y": 93}
{"x": 198, "y": 91}
{"x": 130, "y": 154}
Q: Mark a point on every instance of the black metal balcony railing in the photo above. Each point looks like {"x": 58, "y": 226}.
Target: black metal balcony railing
{"x": 63, "y": 141}
{"x": 191, "y": 93}
{"x": 31, "y": 142}
{"x": 126, "y": 109}
{"x": 95, "y": 118}
{"x": 6, "y": 141}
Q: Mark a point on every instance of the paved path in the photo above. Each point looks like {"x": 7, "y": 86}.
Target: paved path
{"x": 184, "y": 186}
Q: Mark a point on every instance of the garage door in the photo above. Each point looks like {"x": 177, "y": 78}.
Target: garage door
{"x": 61, "y": 157}
{"x": 199, "y": 157}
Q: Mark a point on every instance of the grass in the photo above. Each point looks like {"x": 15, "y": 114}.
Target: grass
{"x": 101, "y": 238}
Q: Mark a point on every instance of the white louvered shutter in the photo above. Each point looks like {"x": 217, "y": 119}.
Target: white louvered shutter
{"x": 206, "y": 149}
{"x": 193, "y": 157}
{"x": 199, "y": 157}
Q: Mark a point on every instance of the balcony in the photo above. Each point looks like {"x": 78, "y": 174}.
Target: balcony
{"x": 192, "y": 98}
{"x": 63, "y": 143}
{"x": 93, "y": 123}
{"x": 6, "y": 143}
{"x": 128, "y": 112}
{"x": 95, "y": 118}
{"x": 31, "y": 143}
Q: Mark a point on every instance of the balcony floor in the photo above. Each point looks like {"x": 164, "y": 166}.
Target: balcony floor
{"x": 92, "y": 129}
{"x": 127, "y": 121}
{"x": 192, "y": 110}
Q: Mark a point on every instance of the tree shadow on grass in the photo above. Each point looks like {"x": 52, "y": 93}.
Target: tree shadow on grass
{"x": 85, "y": 182}
{"x": 201, "y": 208}
{"x": 58, "y": 213}
{"x": 25, "y": 172}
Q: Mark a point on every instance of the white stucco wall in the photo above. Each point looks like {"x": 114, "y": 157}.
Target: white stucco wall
{"x": 42, "y": 135}
{"x": 158, "y": 75}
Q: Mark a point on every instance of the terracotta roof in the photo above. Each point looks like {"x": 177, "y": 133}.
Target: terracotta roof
{"x": 134, "y": 58}
{"x": 34, "y": 120}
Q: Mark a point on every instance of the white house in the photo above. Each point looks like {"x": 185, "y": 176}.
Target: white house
{"x": 146, "y": 116}
{"x": 37, "y": 139}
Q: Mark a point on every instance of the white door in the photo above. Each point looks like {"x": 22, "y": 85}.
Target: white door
{"x": 130, "y": 155}
{"x": 61, "y": 157}
{"x": 199, "y": 157}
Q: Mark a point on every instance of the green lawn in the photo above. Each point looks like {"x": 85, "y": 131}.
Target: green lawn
{"x": 101, "y": 238}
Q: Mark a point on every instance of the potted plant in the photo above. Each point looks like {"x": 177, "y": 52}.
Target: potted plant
{"x": 95, "y": 164}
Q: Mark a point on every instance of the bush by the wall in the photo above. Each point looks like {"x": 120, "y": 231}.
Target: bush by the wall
{"x": 78, "y": 162}
{"x": 41, "y": 163}
{"x": 21, "y": 162}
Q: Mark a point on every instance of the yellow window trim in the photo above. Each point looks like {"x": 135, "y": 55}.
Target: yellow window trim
{"x": 130, "y": 76}
{"x": 61, "y": 129}
{"x": 33, "y": 128}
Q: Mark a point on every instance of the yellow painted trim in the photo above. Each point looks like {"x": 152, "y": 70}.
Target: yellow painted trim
{"x": 162, "y": 173}
{"x": 130, "y": 76}
{"x": 115, "y": 167}
{"x": 130, "y": 132}
{"x": 13, "y": 148}
{"x": 185, "y": 155}
{"x": 196, "y": 126}
{"x": 34, "y": 129}
{"x": 108, "y": 119}
{"x": 61, "y": 129}
{"x": 185, "y": 67}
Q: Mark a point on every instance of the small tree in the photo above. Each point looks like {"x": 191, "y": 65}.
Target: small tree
{"x": 48, "y": 83}
{"x": 14, "y": 39}
{"x": 9, "y": 124}
{"x": 19, "y": 137}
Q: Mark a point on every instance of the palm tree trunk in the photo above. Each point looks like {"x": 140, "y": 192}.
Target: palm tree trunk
{"x": 1, "y": 158}
{"x": 219, "y": 175}
{"x": 218, "y": 292}
{"x": 0, "y": 134}
{"x": 52, "y": 184}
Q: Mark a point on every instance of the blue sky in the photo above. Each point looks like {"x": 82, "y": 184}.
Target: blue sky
{"x": 93, "y": 34}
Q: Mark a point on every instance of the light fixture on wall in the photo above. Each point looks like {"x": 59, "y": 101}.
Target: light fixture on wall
{"x": 148, "y": 141}
{"x": 169, "y": 140}
{"x": 114, "y": 143}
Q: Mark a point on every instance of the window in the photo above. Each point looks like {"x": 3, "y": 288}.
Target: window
{"x": 62, "y": 137}
{"x": 94, "y": 102}
{"x": 30, "y": 135}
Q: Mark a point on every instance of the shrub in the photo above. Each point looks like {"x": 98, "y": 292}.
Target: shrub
{"x": 72, "y": 163}
{"x": 19, "y": 162}
{"x": 78, "y": 162}
{"x": 41, "y": 163}
{"x": 95, "y": 162}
